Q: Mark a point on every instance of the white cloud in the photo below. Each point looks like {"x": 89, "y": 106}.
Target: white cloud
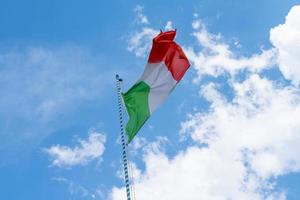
{"x": 261, "y": 119}
{"x": 77, "y": 189}
{"x": 72, "y": 187}
{"x": 286, "y": 38}
{"x": 140, "y": 42}
{"x": 138, "y": 143}
{"x": 87, "y": 151}
{"x": 169, "y": 25}
{"x": 215, "y": 57}
{"x": 140, "y": 17}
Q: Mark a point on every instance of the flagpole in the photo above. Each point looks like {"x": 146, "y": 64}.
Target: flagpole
{"x": 123, "y": 140}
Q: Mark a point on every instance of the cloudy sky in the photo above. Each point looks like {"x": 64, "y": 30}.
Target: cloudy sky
{"x": 229, "y": 131}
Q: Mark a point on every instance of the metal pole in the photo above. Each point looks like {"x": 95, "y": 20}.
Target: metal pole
{"x": 123, "y": 141}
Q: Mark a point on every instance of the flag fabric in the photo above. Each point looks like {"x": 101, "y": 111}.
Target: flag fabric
{"x": 166, "y": 66}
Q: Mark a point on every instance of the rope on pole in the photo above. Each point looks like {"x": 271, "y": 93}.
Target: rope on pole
{"x": 131, "y": 172}
{"x": 123, "y": 140}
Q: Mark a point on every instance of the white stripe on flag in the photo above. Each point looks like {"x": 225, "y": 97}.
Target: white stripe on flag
{"x": 160, "y": 81}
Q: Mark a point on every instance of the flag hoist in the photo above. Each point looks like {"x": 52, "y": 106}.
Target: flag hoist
{"x": 166, "y": 66}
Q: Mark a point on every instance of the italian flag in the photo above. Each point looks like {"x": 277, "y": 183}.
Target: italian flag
{"x": 166, "y": 66}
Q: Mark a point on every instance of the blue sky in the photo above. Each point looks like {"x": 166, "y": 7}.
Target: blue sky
{"x": 228, "y": 131}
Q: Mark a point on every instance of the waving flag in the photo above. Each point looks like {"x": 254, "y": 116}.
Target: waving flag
{"x": 166, "y": 66}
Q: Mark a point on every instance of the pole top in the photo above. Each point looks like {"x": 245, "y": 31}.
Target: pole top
{"x": 118, "y": 78}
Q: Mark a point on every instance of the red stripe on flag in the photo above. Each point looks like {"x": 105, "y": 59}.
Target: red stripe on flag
{"x": 165, "y": 49}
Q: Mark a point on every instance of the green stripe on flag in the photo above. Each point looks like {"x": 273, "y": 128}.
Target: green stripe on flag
{"x": 136, "y": 103}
